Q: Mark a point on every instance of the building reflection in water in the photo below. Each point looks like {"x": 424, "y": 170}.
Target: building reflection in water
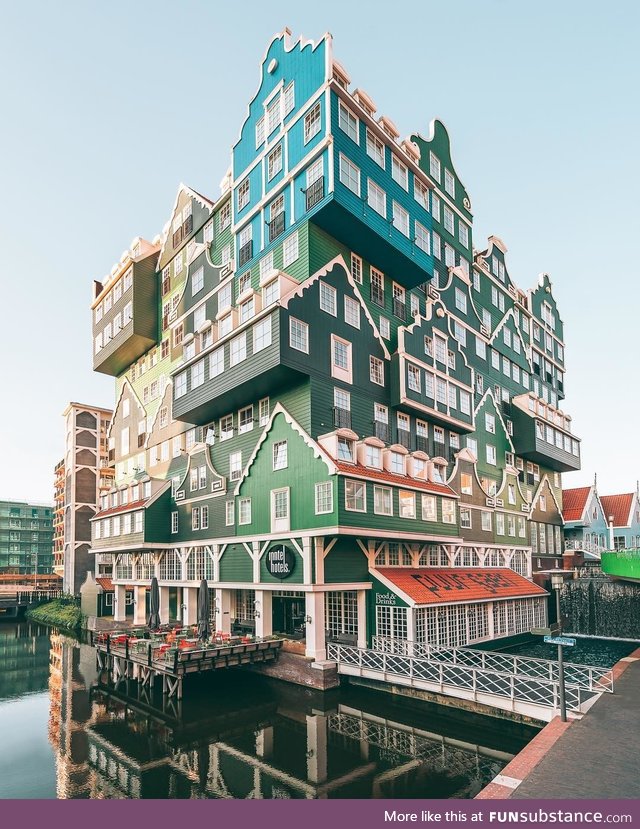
{"x": 243, "y": 736}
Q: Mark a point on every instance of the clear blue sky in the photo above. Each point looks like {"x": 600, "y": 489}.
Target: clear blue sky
{"x": 107, "y": 107}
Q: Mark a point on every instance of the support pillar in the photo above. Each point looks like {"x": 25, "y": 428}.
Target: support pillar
{"x": 362, "y": 618}
{"x": 264, "y": 622}
{"x": 264, "y": 743}
{"x": 119, "y": 603}
{"x": 190, "y": 605}
{"x": 139, "y": 605}
{"x": 164, "y": 605}
{"x": 223, "y": 610}
{"x": 316, "y": 748}
{"x": 315, "y": 628}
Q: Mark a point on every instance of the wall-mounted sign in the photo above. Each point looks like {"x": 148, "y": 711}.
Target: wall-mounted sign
{"x": 386, "y": 598}
{"x": 281, "y": 561}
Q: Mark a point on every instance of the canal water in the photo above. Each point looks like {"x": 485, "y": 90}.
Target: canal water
{"x": 235, "y": 735}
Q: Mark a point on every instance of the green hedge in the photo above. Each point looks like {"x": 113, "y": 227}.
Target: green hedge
{"x": 63, "y": 613}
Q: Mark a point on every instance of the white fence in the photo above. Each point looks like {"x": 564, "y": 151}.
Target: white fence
{"x": 587, "y": 677}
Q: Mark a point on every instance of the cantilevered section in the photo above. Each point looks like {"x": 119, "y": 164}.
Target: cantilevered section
{"x": 542, "y": 434}
{"x": 622, "y": 564}
{"x": 125, "y": 312}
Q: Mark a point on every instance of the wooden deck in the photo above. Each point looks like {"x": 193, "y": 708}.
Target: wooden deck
{"x": 142, "y": 659}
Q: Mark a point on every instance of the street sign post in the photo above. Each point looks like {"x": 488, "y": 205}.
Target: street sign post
{"x": 566, "y": 641}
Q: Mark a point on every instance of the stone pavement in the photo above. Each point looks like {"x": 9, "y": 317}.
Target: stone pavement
{"x": 592, "y": 758}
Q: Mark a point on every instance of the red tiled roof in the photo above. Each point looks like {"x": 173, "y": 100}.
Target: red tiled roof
{"x": 106, "y": 584}
{"x": 429, "y": 585}
{"x": 114, "y": 510}
{"x": 619, "y": 506}
{"x": 574, "y": 502}
{"x": 361, "y": 471}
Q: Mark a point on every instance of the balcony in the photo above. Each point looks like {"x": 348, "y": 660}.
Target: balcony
{"x": 341, "y": 418}
{"x": 623, "y": 564}
{"x": 276, "y": 226}
{"x": 130, "y": 326}
{"x": 314, "y": 193}
{"x": 382, "y": 431}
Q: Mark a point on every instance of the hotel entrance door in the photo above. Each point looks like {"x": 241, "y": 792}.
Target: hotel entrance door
{"x": 288, "y": 615}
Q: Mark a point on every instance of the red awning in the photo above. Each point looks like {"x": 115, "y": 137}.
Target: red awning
{"x": 431, "y": 585}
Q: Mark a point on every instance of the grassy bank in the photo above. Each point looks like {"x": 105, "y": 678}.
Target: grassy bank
{"x": 63, "y": 613}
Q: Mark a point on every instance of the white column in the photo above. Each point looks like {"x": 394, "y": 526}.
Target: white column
{"x": 190, "y": 602}
{"x": 264, "y": 622}
{"x": 164, "y": 605}
{"x": 223, "y": 612}
{"x": 362, "y": 618}
{"x": 316, "y": 748}
{"x": 139, "y": 609}
{"x": 120, "y": 607}
{"x": 264, "y": 743}
{"x": 315, "y": 629}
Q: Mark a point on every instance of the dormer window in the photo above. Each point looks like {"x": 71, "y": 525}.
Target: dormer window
{"x": 373, "y": 457}
{"x": 135, "y": 493}
{"x": 438, "y": 472}
{"x": 396, "y": 463}
{"x": 346, "y": 450}
{"x": 418, "y": 467}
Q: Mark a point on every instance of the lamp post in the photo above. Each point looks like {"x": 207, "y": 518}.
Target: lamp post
{"x": 557, "y": 580}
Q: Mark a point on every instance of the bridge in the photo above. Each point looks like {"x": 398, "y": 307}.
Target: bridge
{"x": 521, "y": 685}
{"x": 12, "y": 603}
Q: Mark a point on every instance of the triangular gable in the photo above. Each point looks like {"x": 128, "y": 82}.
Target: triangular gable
{"x": 511, "y": 472}
{"x": 431, "y": 316}
{"x": 497, "y": 248}
{"x": 544, "y": 480}
{"x": 125, "y": 385}
{"x": 318, "y": 452}
{"x": 183, "y": 189}
{"x": 489, "y": 393}
{"x": 167, "y": 387}
{"x": 338, "y": 260}
{"x": 524, "y": 347}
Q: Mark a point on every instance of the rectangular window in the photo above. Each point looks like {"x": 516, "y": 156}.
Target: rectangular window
{"x": 351, "y": 312}
{"x": 290, "y": 249}
{"x": 244, "y": 511}
{"x": 448, "y": 220}
{"x": 382, "y": 500}
{"x": 429, "y": 512}
{"x": 324, "y": 497}
{"x": 486, "y": 520}
{"x": 376, "y": 371}
{"x": 400, "y": 219}
{"x": 235, "y": 466}
{"x": 449, "y": 182}
{"x": 280, "y": 455}
{"x": 414, "y": 377}
{"x": 348, "y": 122}
{"x": 356, "y": 268}
{"x": 216, "y": 362}
{"x": 197, "y": 374}
{"x": 423, "y": 238}
{"x": 461, "y": 300}
{"x": 298, "y": 335}
{"x": 274, "y": 162}
{"x": 465, "y": 518}
{"x": 229, "y": 514}
{"x": 421, "y": 193}
{"x": 355, "y": 498}
{"x": 349, "y": 175}
{"x": 263, "y": 412}
{"x": 328, "y": 299}
{"x": 376, "y": 198}
{"x": 312, "y": 123}
{"x": 340, "y": 359}
{"x": 244, "y": 196}
{"x": 245, "y": 420}
{"x": 174, "y": 522}
{"x": 238, "y": 349}
{"x": 448, "y": 511}
{"x": 375, "y": 148}
{"x": 491, "y": 454}
{"x": 407, "y": 503}
{"x": 399, "y": 172}
{"x": 195, "y": 518}
{"x": 463, "y": 237}
{"x": 262, "y": 335}
{"x": 434, "y": 166}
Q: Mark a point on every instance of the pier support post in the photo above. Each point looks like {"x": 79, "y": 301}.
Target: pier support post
{"x": 315, "y": 626}
{"x": 362, "y": 618}
{"x": 316, "y": 748}
{"x": 139, "y": 605}
{"x": 223, "y": 614}
{"x": 120, "y": 606}
{"x": 164, "y": 605}
{"x": 190, "y": 608}
{"x": 264, "y": 622}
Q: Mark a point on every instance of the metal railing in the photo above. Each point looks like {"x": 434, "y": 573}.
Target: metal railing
{"x": 587, "y": 677}
{"x": 467, "y": 679}
{"x": 587, "y": 545}
{"x": 315, "y": 192}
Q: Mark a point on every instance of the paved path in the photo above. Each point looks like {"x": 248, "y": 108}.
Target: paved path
{"x": 592, "y": 758}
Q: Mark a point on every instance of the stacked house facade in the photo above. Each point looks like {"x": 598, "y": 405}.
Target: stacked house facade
{"x": 329, "y": 403}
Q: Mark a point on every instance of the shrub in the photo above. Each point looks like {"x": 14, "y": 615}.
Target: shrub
{"x": 63, "y": 612}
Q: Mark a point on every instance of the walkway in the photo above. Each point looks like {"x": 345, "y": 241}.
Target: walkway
{"x": 592, "y": 758}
